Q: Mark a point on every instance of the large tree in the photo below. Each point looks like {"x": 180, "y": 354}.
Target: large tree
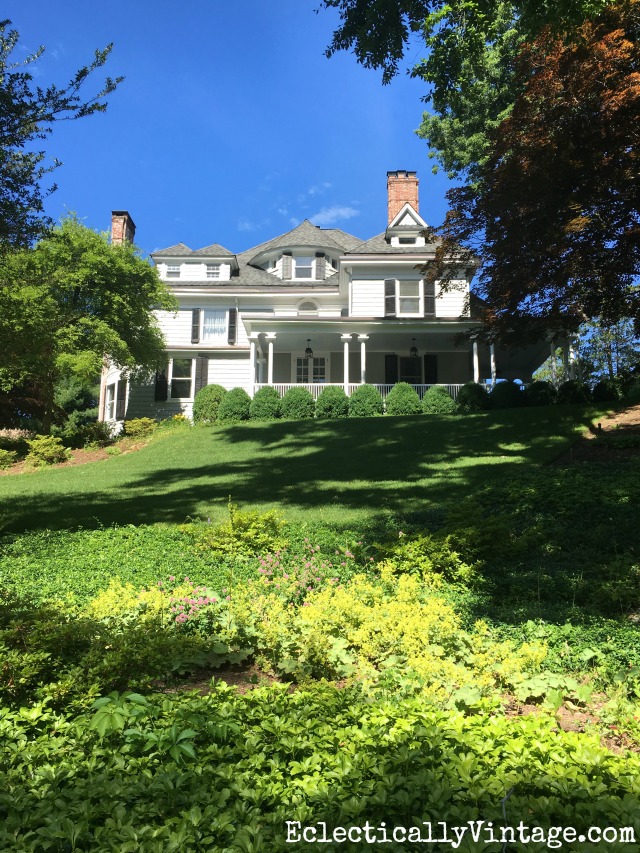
{"x": 555, "y": 215}
{"x": 64, "y": 304}
{"x": 28, "y": 113}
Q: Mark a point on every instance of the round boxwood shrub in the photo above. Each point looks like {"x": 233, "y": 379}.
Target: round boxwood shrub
{"x": 365, "y": 402}
{"x": 266, "y": 405}
{"x": 297, "y": 404}
{"x": 605, "y": 391}
{"x": 506, "y": 395}
{"x": 234, "y": 407}
{"x": 438, "y": 401}
{"x": 403, "y": 400}
{"x": 540, "y": 394}
{"x": 207, "y": 403}
{"x": 573, "y": 392}
{"x": 473, "y": 397}
{"x": 332, "y": 403}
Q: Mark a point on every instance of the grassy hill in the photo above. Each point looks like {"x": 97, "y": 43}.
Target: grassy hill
{"x": 336, "y": 471}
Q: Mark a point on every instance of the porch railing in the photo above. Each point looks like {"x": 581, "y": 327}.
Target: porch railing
{"x": 315, "y": 388}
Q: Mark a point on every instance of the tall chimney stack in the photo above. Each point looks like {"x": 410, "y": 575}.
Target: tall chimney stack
{"x": 402, "y": 187}
{"x": 123, "y": 228}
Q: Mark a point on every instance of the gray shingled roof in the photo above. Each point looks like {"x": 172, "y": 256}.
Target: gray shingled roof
{"x": 215, "y": 250}
{"x": 305, "y": 234}
{"x": 177, "y": 251}
{"x": 379, "y": 245}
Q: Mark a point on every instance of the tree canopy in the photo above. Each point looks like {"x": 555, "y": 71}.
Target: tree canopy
{"x": 66, "y": 303}
{"x": 28, "y": 113}
{"x": 557, "y": 218}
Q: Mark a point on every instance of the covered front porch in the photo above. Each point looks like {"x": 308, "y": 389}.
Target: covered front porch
{"x": 316, "y": 388}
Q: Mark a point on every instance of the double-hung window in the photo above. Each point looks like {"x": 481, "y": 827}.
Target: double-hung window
{"x": 303, "y": 267}
{"x": 110, "y": 403}
{"x": 173, "y": 270}
{"x": 213, "y": 271}
{"x": 181, "y": 378}
{"x": 406, "y": 299}
{"x": 214, "y": 326}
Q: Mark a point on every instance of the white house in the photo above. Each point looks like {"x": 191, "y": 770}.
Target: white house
{"x": 312, "y": 306}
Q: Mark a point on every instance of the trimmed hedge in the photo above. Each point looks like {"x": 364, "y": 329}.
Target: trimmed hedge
{"x": 438, "y": 401}
{"x": 207, "y": 403}
{"x": 540, "y": 394}
{"x": 403, "y": 400}
{"x": 332, "y": 403}
{"x": 298, "y": 404}
{"x": 473, "y": 397}
{"x": 573, "y": 392}
{"x": 506, "y": 395}
{"x": 605, "y": 391}
{"x": 266, "y": 405}
{"x": 365, "y": 402}
{"x": 234, "y": 407}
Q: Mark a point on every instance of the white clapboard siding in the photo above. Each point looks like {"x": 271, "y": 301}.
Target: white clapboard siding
{"x": 176, "y": 328}
{"x": 230, "y": 371}
{"x": 367, "y": 299}
{"x": 452, "y": 304}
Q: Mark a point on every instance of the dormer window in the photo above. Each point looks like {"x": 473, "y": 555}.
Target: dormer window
{"x": 308, "y": 308}
{"x": 213, "y": 270}
{"x": 173, "y": 270}
{"x": 303, "y": 267}
{"x": 406, "y": 241}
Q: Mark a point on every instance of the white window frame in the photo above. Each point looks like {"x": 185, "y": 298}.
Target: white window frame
{"x": 420, "y": 283}
{"x": 213, "y": 271}
{"x": 173, "y": 271}
{"x": 310, "y": 266}
{"x": 191, "y": 378}
{"x": 309, "y": 312}
{"x": 220, "y": 339}
{"x": 110, "y": 402}
{"x": 294, "y": 368}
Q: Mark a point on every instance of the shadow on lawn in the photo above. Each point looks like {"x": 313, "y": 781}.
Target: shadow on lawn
{"x": 355, "y": 464}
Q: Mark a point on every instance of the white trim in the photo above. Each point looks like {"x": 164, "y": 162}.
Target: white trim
{"x": 294, "y": 367}
{"x": 170, "y": 376}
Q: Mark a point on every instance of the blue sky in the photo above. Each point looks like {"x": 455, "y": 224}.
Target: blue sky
{"x": 231, "y": 125}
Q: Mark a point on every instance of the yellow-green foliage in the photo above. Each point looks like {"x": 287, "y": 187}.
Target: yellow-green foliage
{"x": 429, "y": 558}
{"x": 245, "y": 533}
{"x": 123, "y": 603}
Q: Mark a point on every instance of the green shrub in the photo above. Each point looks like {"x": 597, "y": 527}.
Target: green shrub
{"x": 403, "y": 400}
{"x": 46, "y": 450}
{"x": 297, "y": 404}
{"x": 245, "y": 533}
{"x": 332, "y": 403}
{"x": 266, "y": 405}
{"x": 540, "y": 394}
{"x": 632, "y": 397}
{"x": 438, "y": 401}
{"x": 365, "y": 402}
{"x": 207, "y": 403}
{"x": 506, "y": 395}
{"x": 15, "y": 439}
{"x": 573, "y": 392}
{"x": 140, "y": 427}
{"x": 473, "y": 397}
{"x": 96, "y": 433}
{"x": 234, "y": 407}
{"x": 605, "y": 391}
{"x": 7, "y": 458}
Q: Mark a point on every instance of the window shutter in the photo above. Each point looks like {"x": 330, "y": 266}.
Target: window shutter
{"x": 202, "y": 373}
{"x": 429, "y": 299}
{"x": 391, "y": 369}
{"x": 430, "y": 369}
{"x": 389, "y": 297}
{"x": 233, "y": 326}
{"x": 121, "y": 396}
{"x": 162, "y": 385}
{"x": 195, "y": 326}
{"x": 286, "y": 266}
{"x": 320, "y": 266}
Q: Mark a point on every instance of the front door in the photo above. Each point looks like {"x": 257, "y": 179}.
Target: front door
{"x": 410, "y": 370}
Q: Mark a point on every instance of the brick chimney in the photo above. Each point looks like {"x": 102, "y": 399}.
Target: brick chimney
{"x": 123, "y": 228}
{"x": 402, "y": 187}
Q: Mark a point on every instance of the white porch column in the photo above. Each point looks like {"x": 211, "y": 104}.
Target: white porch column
{"x": 252, "y": 361}
{"x": 261, "y": 363}
{"x": 494, "y": 372}
{"x": 572, "y": 360}
{"x": 270, "y": 340}
{"x": 552, "y": 354}
{"x": 565, "y": 359}
{"x": 476, "y": 363}
{"x": 363, "y": 358}
{"x": 345, "y": 340}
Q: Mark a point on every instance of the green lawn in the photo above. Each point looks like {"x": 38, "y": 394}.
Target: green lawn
{"x": 337, "y": 471}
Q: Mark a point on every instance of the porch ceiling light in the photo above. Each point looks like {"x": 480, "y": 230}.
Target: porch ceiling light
{"x": 413, "y": 351}
{"x": 308, "y": 353}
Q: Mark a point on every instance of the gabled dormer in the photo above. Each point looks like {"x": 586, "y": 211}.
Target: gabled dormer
{"x": 210, "y": 264}
{"x": 406, "y": 228}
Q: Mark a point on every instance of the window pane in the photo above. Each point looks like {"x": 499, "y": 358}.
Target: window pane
{"x": 319, "y": 370}
{"x": 409, "y": 288}
{"x": 214, "y": 325}
{"x": 303, "y": 267}
{"x": 409, "y": 306}
{"x": 181, "y": 368}
{"x": 181, "y": 388}
{"x": 213, "y": 270}
{"x": 302, "y": 369}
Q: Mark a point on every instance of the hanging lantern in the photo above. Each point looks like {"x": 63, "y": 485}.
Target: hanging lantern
{"x": 413, "y": 351}
{"x": 308, "y": 353}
